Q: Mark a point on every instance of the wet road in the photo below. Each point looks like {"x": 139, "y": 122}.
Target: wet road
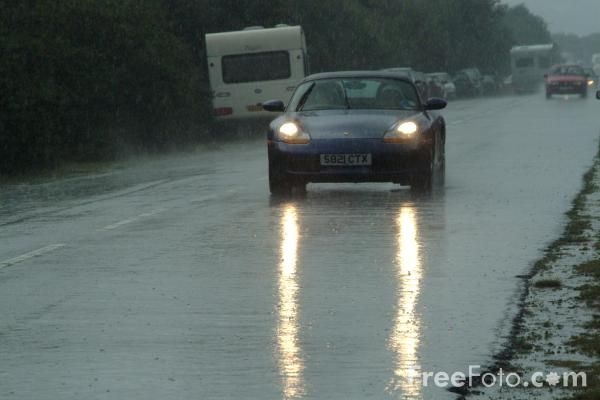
{"x": 179, "y": 277}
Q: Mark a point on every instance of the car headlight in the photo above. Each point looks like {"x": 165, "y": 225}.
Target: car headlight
{"x": 292, "y": 133}
{"x": 591, "y": 82}
{"x": 401, "y": 132}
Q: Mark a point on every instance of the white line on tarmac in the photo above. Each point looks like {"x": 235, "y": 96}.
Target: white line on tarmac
{"x": 31, "y": 254}
{"x": 130, "y": 220}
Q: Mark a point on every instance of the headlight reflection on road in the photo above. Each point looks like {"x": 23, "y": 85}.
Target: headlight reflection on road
{"x": 404, "y": 339}
{"x": 291, "y": 364}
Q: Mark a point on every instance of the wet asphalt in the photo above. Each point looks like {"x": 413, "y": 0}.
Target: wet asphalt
{"x": 179, "y": 277}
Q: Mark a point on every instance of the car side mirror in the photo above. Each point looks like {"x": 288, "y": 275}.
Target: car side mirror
{"x": 273, "y": 105}
{"x": 598, "y": 94}
{"x": 435, "y": 103}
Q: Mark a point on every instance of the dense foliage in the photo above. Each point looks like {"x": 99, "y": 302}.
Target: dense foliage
{"x": 525, "y": 27}
{"x": 84, "y": 79}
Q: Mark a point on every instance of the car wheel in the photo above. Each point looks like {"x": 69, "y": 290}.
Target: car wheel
{"x": 422, "y": 178}
{"x": 584, "y": 94}
{"x": 548, "y": 94}
{"x": 440, "y": 178}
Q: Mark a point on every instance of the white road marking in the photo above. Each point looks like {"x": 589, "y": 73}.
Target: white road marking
{"x": 458, "y": 121}
{"x": 262, "y": 178}
{"x": 130, "y": 220}
{"x": 31, "y": 254}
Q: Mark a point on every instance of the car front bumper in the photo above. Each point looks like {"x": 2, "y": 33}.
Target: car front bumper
{"x": 566, "y": 88}
{"x": 390, "y": 162}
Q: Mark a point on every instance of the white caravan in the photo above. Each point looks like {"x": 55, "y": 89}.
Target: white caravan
{"x": 529, "y": 64}
{"x": 248, "y": 67}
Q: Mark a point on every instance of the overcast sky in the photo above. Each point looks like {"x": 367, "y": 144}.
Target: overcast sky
{"x": 581, "y": 17}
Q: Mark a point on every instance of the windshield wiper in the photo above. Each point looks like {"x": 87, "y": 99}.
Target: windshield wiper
{"x": 305, "y": 97}
{"x": 346, "y": 97}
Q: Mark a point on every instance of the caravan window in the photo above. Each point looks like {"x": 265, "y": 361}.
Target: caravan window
{"x": 255, "y": 67}
{"x": 524, "y": 62}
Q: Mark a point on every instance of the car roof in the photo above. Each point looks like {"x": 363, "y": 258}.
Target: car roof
{"x": 356, "y": 74}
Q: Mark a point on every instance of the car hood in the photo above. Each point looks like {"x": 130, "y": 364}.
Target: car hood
{"x": 332, "y": 124}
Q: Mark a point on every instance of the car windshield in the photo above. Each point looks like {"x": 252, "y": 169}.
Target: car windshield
{"x": 355, "y": 93}
{"x": 568, "y": 70}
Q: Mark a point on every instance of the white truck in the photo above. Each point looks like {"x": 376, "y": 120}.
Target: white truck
{"x": 253, "y": 65}
{"x": 529, "y": 64}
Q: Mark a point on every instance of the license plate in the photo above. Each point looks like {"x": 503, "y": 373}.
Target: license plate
{"x": 346, "y": 159}
{"x": 254, "y": 108}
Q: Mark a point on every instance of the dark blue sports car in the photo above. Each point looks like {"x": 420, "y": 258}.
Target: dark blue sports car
{"x": 355, "y": 127}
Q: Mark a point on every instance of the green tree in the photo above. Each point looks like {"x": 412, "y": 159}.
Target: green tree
{"x": 525, "y": 27}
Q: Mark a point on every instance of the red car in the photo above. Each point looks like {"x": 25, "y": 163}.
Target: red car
{"x": 566, "y": 79}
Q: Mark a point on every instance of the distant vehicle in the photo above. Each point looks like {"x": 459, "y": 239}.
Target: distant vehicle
{"x": 566, "y": 79}
{"x": 592, "y": 77}
{"x": 416, "y": 77}
{"x": 529, "y": 64}
{"x": 468, "y": 82}
{"x": 445, "y": 80}
{"x": 489, "y": 84}
{"x": 596, "y": 63}
{"x": 596, "y": 59}
{"x": 421, "y": 83}
{"x": 435, "y": 88}
{"x": 464, "y": 86}
{"x": 249, "y": 66}
{"x": 476, "y": 78}
{"x": 365, "y": 126}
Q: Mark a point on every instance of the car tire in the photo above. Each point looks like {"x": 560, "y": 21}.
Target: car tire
{"x": 584, "y": 94}
{"x": 440, "y": 177}
{"x": 548, "y": 95}
{"x": 423, "y": 177}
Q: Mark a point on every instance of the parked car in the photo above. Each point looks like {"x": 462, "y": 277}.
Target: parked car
{"x": 489, "y": 85}
{"x": 435, "y": 88}
{"x": 468, "y": 84}
{"x": 421, "y": 83}
{"x": 475, "y": 77}
{"x": 369, "y": 126}
{"x": 445, "y": 80}
{"x": 566, "y": 79}
{"x": 416, "y": 77}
